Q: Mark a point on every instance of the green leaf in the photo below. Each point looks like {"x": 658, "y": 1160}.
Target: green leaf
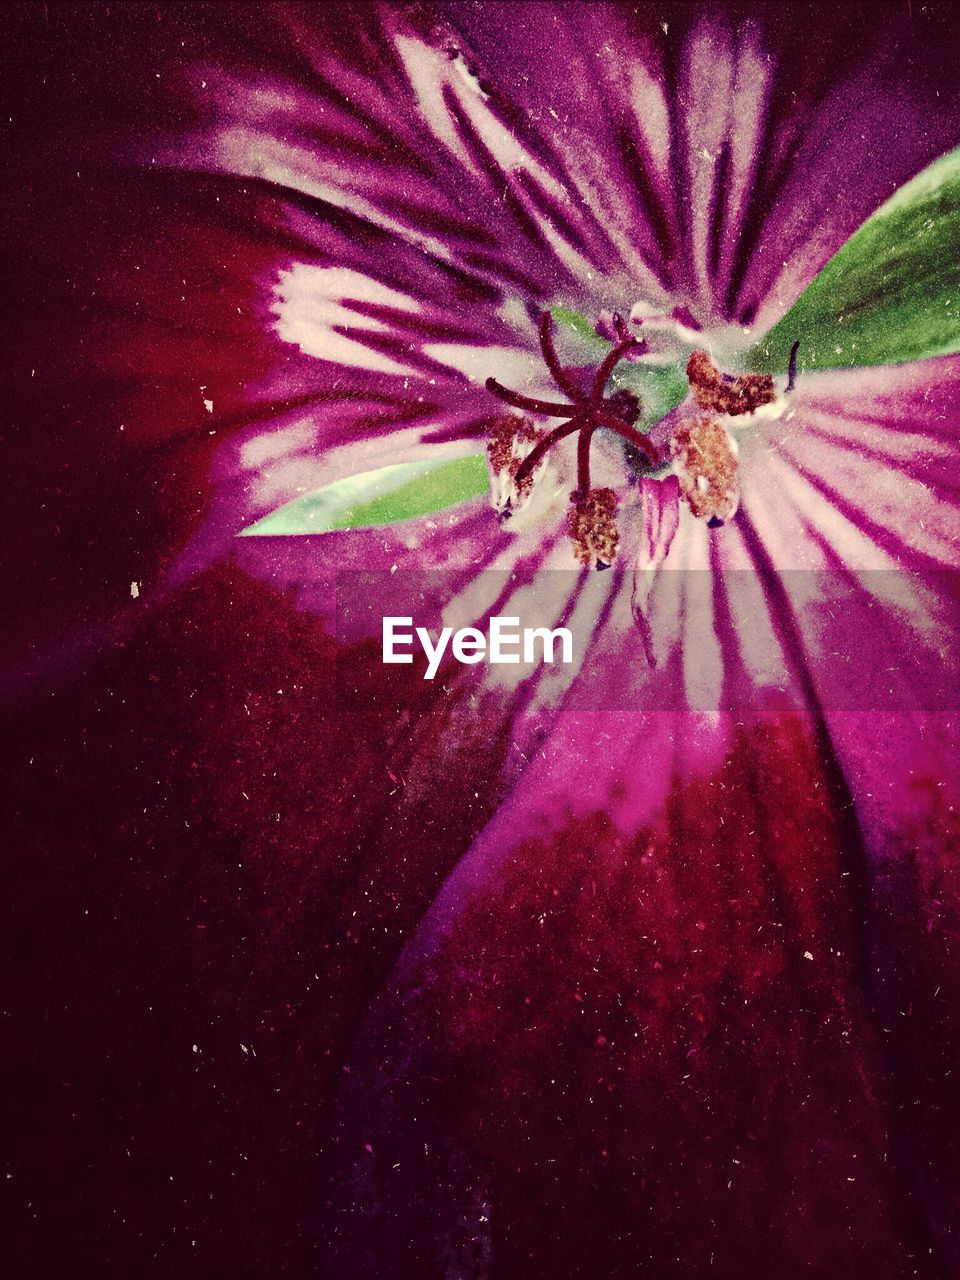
{"x": 580, "y": 325}
{"x": 659, "y": 387}
{"x": 891, "y": 294}
{"x": 388, "y": 495}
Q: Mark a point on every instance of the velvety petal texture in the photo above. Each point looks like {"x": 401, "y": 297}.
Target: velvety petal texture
{"x": 321, "y": 968}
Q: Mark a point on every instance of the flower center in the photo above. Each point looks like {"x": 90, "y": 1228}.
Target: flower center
{"x": 703, "y": 452}
{"x": 584, "y": 412}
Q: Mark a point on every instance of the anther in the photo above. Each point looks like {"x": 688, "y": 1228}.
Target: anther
{"x": 705, "y": 462}
{"x": 591, "y": 522}
{"x": 724, "y": 395}
{"x": 511, "y": 443}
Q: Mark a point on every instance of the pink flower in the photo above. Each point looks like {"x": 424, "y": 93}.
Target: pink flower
{"x": 609, "y": 973}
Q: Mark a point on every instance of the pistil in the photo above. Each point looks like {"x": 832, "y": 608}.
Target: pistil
{"x": 585, "y": 412}
{"x": 703, "y": 451}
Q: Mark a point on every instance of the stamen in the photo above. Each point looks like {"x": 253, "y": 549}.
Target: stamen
{"x": 509, "y": 448}
{"x": 591, "y": 522}
{"x": 792, "y": 366}
{"x": 727, "y": 396}
{"x": 506, "y": 435}
{"x": 705, "y": 462}
{"x": 583, "y": 461}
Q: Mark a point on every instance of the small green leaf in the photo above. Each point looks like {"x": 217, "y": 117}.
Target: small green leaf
{"x": 659, "y": 388}
{"x": 579, "y": 324}
{"x": 891, "y": 294}
{"x": 388, "y": 495}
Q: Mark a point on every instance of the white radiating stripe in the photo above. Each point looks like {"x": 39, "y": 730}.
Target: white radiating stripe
{"x": 311, "y": 300}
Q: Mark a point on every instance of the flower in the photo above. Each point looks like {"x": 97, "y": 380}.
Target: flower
{"x": 581, "y": 979}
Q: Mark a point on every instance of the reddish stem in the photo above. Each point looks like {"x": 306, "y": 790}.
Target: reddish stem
{"x": 642, "y": 442}
{"x": 583, "y": 460}
{"x": 552, "y": 408}
{"x": 537, "y": 452}
{"x": 611, "y": 361}
{"x": 559, "y": 374}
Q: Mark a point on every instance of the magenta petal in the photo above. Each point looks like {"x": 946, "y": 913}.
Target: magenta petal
{"x": 660, "y": 516}
{"x": 599, "y": 994}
